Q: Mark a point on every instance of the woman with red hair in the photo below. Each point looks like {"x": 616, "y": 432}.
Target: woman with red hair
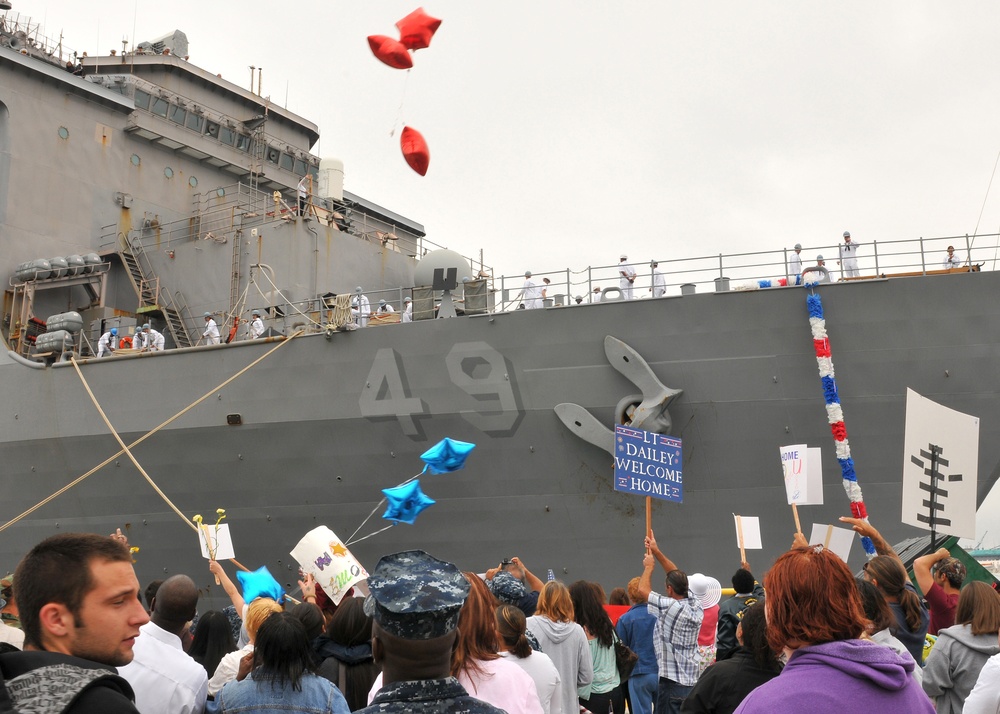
{"x": 814, "y": 614}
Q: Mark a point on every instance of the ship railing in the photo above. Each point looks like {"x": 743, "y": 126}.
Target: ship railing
{"x": 755, "y": 270}
{"x": 26, "y": 36}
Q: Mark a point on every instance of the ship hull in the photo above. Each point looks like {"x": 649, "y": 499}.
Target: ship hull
{"x": 326, "y": 422}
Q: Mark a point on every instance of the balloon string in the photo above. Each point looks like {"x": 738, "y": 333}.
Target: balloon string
{"x": 370, "y": 535}
{"x": 402, "y": 100}
{"x": 368, "y": 518}
{"x": 380, "y": 504}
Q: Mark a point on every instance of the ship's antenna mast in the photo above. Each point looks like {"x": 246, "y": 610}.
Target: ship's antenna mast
{"x": 252, "y": 69}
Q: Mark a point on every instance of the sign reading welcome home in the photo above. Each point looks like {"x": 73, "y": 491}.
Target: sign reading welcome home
{"x": 648, "y": 464}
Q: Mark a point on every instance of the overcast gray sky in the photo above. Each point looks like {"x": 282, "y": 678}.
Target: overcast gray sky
{"x": 563, "y": 133}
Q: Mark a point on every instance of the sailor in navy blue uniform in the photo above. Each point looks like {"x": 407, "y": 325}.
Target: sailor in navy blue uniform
{"x": 415, "y": 600}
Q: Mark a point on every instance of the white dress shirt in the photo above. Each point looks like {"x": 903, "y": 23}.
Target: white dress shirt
{"x": 163, "y": 676}
{"x": 228, "y": 667}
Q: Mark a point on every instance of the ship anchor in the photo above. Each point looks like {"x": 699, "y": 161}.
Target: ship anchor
{"x": 647, "y": 411}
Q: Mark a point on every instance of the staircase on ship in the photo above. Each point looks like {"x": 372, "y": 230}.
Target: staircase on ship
{"x": 154, "y": 301}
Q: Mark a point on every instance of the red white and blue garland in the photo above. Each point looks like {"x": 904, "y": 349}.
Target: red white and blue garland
{"x": 835, "y": 414}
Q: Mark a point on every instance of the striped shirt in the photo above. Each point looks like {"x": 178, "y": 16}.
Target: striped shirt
{"x": 675, "y": 636}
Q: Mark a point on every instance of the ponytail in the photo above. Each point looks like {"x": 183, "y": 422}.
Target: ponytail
{"x": 511, "y": 625}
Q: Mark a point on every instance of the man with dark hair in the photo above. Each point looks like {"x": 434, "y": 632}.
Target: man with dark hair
{"x": 79, "y": 604}
{"x": 165, "y": 678}
{"x": 415, "y": 600}
{"x": 748, "y": 591}
{"x": 675, "y": 636}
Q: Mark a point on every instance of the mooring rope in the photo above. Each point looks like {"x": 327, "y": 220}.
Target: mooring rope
{"x": 141, "y": 439}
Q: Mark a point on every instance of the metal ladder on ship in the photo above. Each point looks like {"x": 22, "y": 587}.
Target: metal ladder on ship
{"x": 147, "y": 288}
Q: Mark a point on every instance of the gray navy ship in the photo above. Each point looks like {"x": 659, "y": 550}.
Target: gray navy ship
{"x": 140, "y": 188}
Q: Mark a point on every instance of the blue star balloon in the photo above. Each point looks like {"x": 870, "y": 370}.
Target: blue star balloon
{"x": 405, "y": 502}
{"x": 447, "y": 455}
{"x": 259, "y": 583}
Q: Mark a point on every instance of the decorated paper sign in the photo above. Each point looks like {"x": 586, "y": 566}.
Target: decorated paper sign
{"x": 838, "y": 540}
{"x": 940, "y": 467}
{"x": 216, "y": 541}
{"x": 323, "y": 555}
{"x": 648, "y": 464}
{"x": 803, "y": 471}
{"x": 750, "y": 527}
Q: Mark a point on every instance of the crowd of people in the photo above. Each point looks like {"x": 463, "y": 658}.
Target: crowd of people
{"x": 808, "y": 637}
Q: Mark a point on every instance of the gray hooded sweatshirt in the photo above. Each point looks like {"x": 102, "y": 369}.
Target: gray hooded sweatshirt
{"x": 566, "y": 645}
{"x": 954, "y": 664}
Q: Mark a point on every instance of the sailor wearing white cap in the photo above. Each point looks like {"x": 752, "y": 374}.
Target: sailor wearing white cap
{"x": 361, "y": 308}
{"x": 256, "y": 326}
{"x": 659, "y": 281}
{"x": 385, "y": 308}
{"x": 795, "y": 265}
{"x": 627, "y": 279}
{"x": 407, "y": 310}
{"x": 849, "y": 257}
{"x": 531, "y": 292}
{"x": 211, "y": 333}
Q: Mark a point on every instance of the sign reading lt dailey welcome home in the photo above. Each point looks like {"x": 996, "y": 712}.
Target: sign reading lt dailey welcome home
{"x": 648, "y": 464}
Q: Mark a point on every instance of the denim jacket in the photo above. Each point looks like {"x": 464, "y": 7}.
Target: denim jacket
{"x": 317, "y": 696}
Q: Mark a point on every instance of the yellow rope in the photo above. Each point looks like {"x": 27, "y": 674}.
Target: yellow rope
{"x": 128, "y": 452}
{"x": 141, "y": 439}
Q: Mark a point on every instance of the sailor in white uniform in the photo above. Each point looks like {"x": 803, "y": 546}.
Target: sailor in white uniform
{"x": 531, "y": 293}
{"x": 627, "y": 279}
{"x": 659, "y": 281}
{"x": 385, "y": 308}
{"x": 951, "y": 260}
{"x": 108, "y": 342}
{"x": 361, "y": 308}
{"x": 849, "y": 257}
{"x": 256, "y": 326}
{"x": 407, "y": 315}
{"x": 795, "y": 265}
{"x": 152, "y": 341}
{"x": 139, "y": 338}
{"x": 211, "y": 333}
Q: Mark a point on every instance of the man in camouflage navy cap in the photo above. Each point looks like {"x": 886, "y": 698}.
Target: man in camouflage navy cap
{"x": 415, "y": 600}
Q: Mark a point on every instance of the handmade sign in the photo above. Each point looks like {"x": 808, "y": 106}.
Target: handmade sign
{"x": 803, "y": 472}
{"x": 748, "y": 532}
{"x": 648, "y": 464}
{"x": 216, "y": 542}
{"x": 837, "y": 540}
{"x": 940, "y": 468}
{"x": 323, "y": 555}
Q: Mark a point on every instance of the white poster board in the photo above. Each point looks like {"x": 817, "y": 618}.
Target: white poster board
{"x": 802, "y": 468}
{"x": 220, "y": 540}
{"x": 323, "y": 555}
{"x": 751, "y": 532}
{"x": 950, "y": 491}
{"x": 838, "y": 540}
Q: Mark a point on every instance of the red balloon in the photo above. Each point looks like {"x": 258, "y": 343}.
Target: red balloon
{"x": 417, "y": 29}
{"x": 390, "y": 51}
{"x": 415, "y": 150}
